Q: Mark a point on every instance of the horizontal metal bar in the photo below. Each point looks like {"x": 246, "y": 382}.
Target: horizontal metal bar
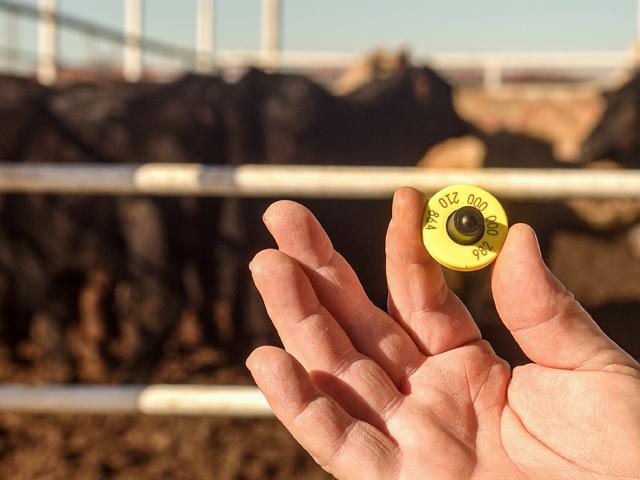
{"x": 443, "y": 60}
{"x": 309, "y": 180}
{"x": 218, "y": 400}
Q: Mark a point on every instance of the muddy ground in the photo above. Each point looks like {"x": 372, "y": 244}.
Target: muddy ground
{"x": 127, "y": 447}
{"x": 602, "y": 268}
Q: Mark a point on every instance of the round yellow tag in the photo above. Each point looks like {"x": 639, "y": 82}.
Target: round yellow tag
{"x": 464, "y": 227}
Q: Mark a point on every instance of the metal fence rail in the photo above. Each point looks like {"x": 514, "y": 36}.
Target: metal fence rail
{"x": 74, "y": 23}
{"x": 492, "y": 67}
{"x": 310, "y": 180}
{"x": 218, "y": 400}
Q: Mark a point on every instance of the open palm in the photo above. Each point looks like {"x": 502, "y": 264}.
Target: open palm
{"x": 416, "y": 393}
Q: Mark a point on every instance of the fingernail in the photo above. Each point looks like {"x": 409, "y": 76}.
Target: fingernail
{"x": 253, "y": 264}
{"x": 249, "y": 363}
{"x": 536, "y": 242}
{"x": 395, "y": 203}
{"x": 266, "y": 216}
{"x": 396, "y": 197}
{"x": 252, "y": 362}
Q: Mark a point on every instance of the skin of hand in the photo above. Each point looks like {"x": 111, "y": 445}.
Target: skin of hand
{"x": 415, "y": 393}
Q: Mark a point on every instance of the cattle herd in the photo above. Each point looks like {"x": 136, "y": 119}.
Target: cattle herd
{"x": 150, "y": 259}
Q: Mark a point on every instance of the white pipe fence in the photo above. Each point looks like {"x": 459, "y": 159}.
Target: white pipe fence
{"x": 132, "y": 58}
{"x": 205, "y": 35}
{"x": 270, "y": 32}
{"x": 449, "y": 61}
{"x": 47, "y": 42}
{"x": 493, "y": 67}
{"x": 213, "y": 400}
{"x": 129, "y": 37}
{"x": 310, "y": 180}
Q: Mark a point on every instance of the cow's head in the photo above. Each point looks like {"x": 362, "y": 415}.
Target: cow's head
{"x": 617, "y": 135}
{"x": 432, "y": 96}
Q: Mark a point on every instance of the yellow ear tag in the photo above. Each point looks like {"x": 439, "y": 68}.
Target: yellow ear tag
{"x": 464, "y": 227}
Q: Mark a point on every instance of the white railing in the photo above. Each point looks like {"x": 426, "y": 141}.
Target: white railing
{"x": 310, "y": 180}
{"x": 218, "y": 400}
{"x": 133, "y": 43}
{"x": 491, "y": 67}
{"x": 452, "y": 60}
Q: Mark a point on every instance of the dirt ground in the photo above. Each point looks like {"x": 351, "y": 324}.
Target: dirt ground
{"x": 601, "y": 267}
{"x": 126, "y": 446}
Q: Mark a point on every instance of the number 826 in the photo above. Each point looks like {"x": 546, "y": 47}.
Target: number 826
{"x": 482, "y": 250}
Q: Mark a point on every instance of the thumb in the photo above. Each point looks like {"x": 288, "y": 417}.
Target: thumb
{"x": 544, "y": 318}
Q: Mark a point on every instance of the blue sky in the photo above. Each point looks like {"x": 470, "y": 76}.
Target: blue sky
{"x": 358, "y": 25}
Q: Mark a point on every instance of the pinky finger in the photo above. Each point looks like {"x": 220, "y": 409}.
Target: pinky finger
{"x": 341, "y": 444}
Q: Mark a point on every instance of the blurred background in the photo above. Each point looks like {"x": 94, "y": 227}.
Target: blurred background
{"x": 135, "y": 290}
{"x": 572, "y": 41}
{"x": 509, "y": 52}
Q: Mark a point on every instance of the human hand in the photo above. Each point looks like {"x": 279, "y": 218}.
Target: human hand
{"x": 416, "y": 393}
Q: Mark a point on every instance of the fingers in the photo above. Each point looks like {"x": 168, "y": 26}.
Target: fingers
{"x": 549, "y": 325}
{"x": 312, "y": 335}
{"x": 419, "y": 298}
{"x": 372, "y": 331}
{"x": 341, "y": 444}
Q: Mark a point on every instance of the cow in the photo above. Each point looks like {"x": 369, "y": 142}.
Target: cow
{"x": 617, "y": 135}
{"x": 22, "y": 105}
{"x": 142, "y": 243}
{"x": 50, "y": 248}
{"x": 287, "y": 119}
{"x": 184, "y": 122}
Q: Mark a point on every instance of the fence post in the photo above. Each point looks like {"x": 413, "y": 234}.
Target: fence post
{"x": 204, "y": 35}
{"x": 91, "y": 51}
{"x": 11, "y": 53}
{"x": 47, "y": 42}
{"x": 637, "y": 40}
{"x": 132, "y": 68}
{"x": 492, "y": 75}
{"x": 270, "y": 32}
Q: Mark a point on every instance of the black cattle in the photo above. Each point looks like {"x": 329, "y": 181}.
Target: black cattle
{"x": 180, "y": 122}
{"x": 289, "y": 119}
{"x": 184, "y": 122}
{"x": 140, "y": 243}
{"x": 50, "y": 248}
{"x": 47, "y": 244}
{"x": 617, "y": 135}
{"x": 175, "y": 122}
{"x": 22, "y": 105}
